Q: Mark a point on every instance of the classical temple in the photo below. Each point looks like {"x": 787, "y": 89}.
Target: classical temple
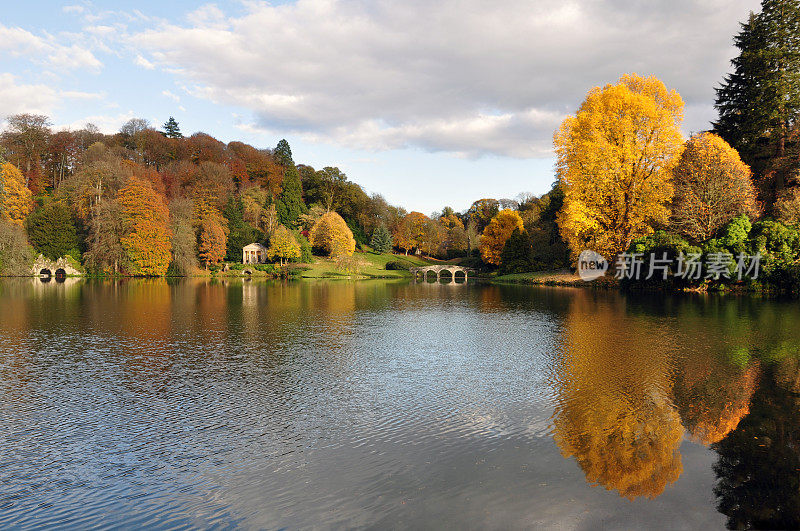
{"x": 255, "y": 253}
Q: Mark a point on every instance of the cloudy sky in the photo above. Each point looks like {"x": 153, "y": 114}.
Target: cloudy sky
{"x": 428, "y": 103}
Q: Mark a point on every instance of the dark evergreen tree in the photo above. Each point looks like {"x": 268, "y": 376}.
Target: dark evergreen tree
{"x": 51, "y": 230}
{"x": 289, "y": 204}
{"x": 758, "y": 470}
{"x": 516, "y": 256}
{"x": 549, "y": 251}
{"x": 171, "y": 129}
{"x": 759, "y": 102}
{"x": 283, "y": 153}
{"x": 381, "y": 240}
{"x": 241, "y": 233}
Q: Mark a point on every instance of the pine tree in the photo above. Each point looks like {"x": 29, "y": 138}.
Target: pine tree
{"x": 516, "y": 256}
{"x": 759, "y": 102}
{"x": 171, "y": 129}
{"x": 241, "y": 233}
{"x": 283, "y": 153}
{"x": 381, "y": 240}
{"x": 289, "y": 204}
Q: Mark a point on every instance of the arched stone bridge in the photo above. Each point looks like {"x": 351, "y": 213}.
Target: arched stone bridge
{"x": 422, "y": 272}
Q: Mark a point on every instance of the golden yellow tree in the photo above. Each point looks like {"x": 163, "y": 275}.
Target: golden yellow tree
{"x": 15, "y": 197}
{"x": 283, "y": 246}
{"x": 332, "y": 235}
{"x": 497, "y": 233}
{"x": 615, "y": 159}
{"x": 712, "y": 186}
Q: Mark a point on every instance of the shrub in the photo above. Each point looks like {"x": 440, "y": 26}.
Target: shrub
{"x": 394, "y": 265}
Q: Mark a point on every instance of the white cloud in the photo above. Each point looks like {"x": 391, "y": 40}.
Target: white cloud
{"x": 73, "y": 9}
{"x": 464, "y": 76}
{"x": 108, "y": 124}
{"x": 170, "y": 95}
{"x": 48, "y": 50}
{"x": 144, "y": 63}
{"x": 16, "y": 97}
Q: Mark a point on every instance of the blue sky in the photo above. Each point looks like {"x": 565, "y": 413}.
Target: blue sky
{"x": 429, "y": 104}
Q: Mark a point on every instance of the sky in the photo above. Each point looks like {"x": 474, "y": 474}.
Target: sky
{"x": 430, "y": 104}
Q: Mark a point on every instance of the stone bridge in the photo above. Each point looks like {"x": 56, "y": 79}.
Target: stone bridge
{"x": 422, "y": 272}
{"x": 61, "y": 268}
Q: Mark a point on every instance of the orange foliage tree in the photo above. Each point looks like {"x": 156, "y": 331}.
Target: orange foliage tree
{"x": 147, "y": 239}
{"x": 497, "y": 233}
{"x": 15, "y": 197}
{"x": 411, "y": 231}
{"x": 712, "y": 186}
{"x": 332, "y": 235}
{"x": 213, "y": 233}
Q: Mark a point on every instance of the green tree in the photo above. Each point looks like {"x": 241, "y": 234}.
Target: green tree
{"x": 283, "y": 153}
{"x": 241, "y": 232}
{"x": 381, "y": 239}
{"x": 289, "y": 204}
{"x": 758, "y": 103}
{"x": 171, "y": 129}
{"x": 517, "y": 253}
{"x": 51, "y": 230}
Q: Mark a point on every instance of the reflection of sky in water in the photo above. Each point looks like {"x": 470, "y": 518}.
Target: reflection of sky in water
{"x": 271, "y": 404}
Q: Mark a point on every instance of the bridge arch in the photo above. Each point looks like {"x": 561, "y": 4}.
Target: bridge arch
{"x": 451, "y": 273}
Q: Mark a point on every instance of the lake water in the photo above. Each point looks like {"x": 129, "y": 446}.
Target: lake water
{"x": 388, "y": 404}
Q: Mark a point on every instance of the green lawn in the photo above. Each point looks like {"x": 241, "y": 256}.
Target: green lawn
{"x": 363, "y": 265}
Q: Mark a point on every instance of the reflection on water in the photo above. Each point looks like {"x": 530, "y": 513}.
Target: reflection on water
{"x": 199, "y": 403}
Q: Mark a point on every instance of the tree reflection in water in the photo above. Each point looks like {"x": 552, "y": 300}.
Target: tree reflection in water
{"x": 625, "y": 396}
{"x": 614, "y": 415}
{"x": 758, "y": 470}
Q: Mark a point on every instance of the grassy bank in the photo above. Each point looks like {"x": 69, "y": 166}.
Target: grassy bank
{"x": 360, "y": 266}
{"x": 553, "y": 278}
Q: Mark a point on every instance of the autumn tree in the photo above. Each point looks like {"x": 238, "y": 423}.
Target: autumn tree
{"x": 62, "y": 156}
{"x": 26, "y": 140}
{"x": 147, "y": 239}
{"x": 105, "y": 252}
{"x": 497, "y": 233}
{"x": 454, "y": 236}
{"x": 184, "y": 239}
{"x": 16, "y": 255}
{"x": 410, "y": 233}
{"x": 712, "y": 186}
{"x": 331, "y": 235}
{"x": 615, "y": 159}
{"x": 283, "y": 246}
{"x": 15, "y": 197}
{"x": 482, "y": 211}
{"x": 212, "y": 238}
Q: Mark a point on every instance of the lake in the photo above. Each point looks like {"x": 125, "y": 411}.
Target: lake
{"x": 195, "y": 403}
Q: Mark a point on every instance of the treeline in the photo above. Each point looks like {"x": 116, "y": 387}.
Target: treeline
{"x": 633, "y": 185}
{"x": 152, "y": 202}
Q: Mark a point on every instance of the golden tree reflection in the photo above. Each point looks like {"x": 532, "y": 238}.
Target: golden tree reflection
{"x": 713, "y": 396}
{"x": 614, "y": 415}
